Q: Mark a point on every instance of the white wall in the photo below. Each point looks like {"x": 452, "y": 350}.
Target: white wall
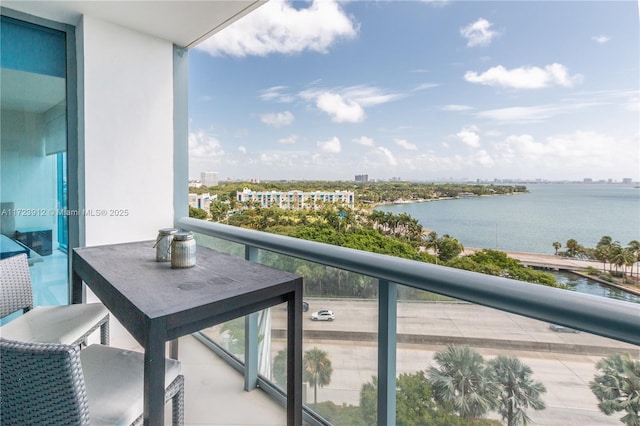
{"x": 126, "y": 111}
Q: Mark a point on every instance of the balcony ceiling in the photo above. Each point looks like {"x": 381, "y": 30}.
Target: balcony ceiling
{"x": 185, "y": 23}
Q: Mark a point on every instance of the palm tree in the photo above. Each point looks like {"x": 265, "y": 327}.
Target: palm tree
{"x": 464, "y": 381}
{"x": 218, "y": 210}
{"x": 556, "y": 245}
{"x": 432, "y": 242}
{"x": 601, "y": 253}
{"x": 635, "y": 246}
{"x": 605, "y": 241}
{"x": 376, "y": 217}
{"x": 317, "y": 370}
{"x": 607, "y": 250}
{"x": 616, "y": 255}
{"x": 573, "y": 248}
{"x": 519, "y": 391}
{"x": 617, "y": 386}
{"x": 449, "y": 248}
{"x": 629, "y": 257}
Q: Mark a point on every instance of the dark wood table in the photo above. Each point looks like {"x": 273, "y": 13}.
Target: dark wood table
{"x": 157, "y": 304}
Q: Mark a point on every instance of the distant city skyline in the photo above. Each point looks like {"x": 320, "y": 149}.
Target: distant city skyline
{"x": 359, "y": 179}
{"x": 425, "y": 90}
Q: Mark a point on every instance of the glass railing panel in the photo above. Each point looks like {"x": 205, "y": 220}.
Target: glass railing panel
{"x": 340, "y": 320}
{"x": 560, "y": 360}
{"x": 440, "y": 341}
{"x": 229, "y": 335}
{"x": 218, "y": 244}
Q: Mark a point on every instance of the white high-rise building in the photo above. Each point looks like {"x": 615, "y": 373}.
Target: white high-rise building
{"x": 209, "y": 178}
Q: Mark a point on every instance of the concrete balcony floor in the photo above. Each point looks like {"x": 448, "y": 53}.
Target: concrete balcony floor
{"x": 214, "y": 391}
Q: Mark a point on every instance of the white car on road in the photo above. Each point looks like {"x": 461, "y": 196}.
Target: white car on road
{"x": 323, "y": 315}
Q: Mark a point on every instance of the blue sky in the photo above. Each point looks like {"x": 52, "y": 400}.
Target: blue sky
{"x": 421, "y": 90}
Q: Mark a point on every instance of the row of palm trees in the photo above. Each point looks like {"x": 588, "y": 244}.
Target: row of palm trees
{"x": 463, "y": 381}
{"x": 474, "y": 387}
{"x": 470, "y": 387}
{"x": 505, "y": 384}
{"x": 606, "y": 251}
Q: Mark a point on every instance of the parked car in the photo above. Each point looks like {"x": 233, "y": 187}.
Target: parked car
{"x": 323, "y": 315}
{"x": 562, "y": 329}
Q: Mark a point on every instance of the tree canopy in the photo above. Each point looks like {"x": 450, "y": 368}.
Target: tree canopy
{"x": 616, "y": 385}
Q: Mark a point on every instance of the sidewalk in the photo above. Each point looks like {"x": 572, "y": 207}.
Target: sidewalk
{"x": 550, "y": 261}
{"x": 545, "y": 260}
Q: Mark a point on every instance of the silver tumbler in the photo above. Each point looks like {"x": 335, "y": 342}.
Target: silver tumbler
{"x": 183, "y": 250}
{"x": 163, "y": 244}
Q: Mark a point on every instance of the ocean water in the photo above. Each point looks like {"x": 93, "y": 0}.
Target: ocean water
{"x": 531, "y": 222}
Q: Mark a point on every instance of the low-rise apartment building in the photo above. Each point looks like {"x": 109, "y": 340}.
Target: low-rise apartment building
{"x": 295, "y": 199}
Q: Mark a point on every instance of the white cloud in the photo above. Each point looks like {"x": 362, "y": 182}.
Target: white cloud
{"x": 633, "y": 104}
{"x": 405, "y": 144}
{"x": 277, "y": 94}
{"x": 363, "y": 140}
{"x": 346, "y": 105}
{"x": 331, "y": 146}
{"x": 341, "y": 109}
{"x": 519, "y": 114}
{"x": 600, "y": 39}
{"x": 436, "y": 3}
{"x": 567, "y": 155}
{"x": 478, "y": 33}
{"x": 279, "y": 119}
{"x": 573, "y": 153}
{"x": 525, "y": 77}
{"x": 242, "y": 149}
{"x": 469, "y": 136}
{"x": 289, "y": 140}
{"x": 205, "y": 151}
{"x": 277, "y": 27}
{"x": 425, "y": 86}
{"x": 369, "y": 96}
{"x": 533, "y": 114}
{"x": 270, "y": 158}
{"x": 387, "y": 155}
{"x": 483, "y": 158}
{"x": 455, "y": 107}
{"x": 204, "y": 146}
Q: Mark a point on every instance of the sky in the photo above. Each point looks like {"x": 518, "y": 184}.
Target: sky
{"x": 419, "y": 90}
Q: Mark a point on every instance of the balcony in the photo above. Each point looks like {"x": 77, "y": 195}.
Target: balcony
{"x": 385, "y": 336}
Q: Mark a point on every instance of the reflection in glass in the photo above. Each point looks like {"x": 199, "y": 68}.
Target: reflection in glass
{"x": 33, "y": 144}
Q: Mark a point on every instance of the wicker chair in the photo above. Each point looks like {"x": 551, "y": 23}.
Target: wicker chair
{"x": 55, "y": 384}
{"x": 68, "y": 324}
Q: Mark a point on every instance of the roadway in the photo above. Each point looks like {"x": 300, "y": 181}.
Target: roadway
{"x": 564, "y": 362}
{"x": 549, "y": 261}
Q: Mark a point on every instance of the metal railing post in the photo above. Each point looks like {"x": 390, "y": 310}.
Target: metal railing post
{"x": 251, "y": 336}
{"x": 387, "y": 329}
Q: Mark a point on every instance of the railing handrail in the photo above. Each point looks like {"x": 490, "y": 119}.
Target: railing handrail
{"x": 610, "y": 318}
